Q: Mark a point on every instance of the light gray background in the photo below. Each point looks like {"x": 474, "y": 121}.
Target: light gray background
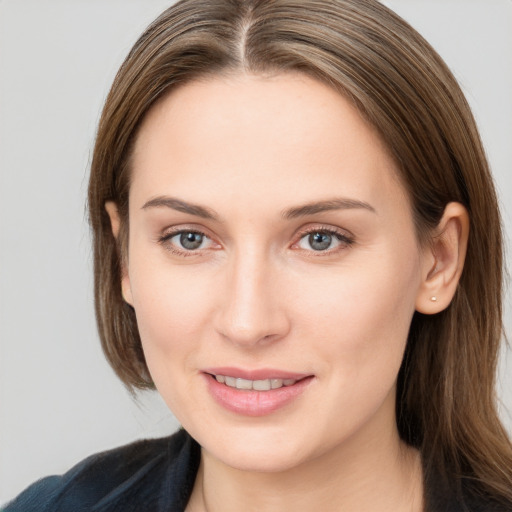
{"x": 59, "y": 400}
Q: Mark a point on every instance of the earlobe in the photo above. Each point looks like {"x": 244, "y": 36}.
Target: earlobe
{"x": 113, "y": 213}
{"x": 126, "y": 290}
{"x": 115, "y": 223}
{"x": 444, "y": 261}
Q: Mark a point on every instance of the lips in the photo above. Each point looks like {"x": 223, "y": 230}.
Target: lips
{"x": 257, "y": 392}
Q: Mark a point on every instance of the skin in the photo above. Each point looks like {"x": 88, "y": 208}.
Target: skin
{"x": 257, "y": 295}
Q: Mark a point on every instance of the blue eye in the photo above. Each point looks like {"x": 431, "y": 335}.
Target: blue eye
{"x": 319, "y": 241}
{"x": 323, "y": 241}
{"x": 190, "y": 240}
{"x": 185, "y": 241}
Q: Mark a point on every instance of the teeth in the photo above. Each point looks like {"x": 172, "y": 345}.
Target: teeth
{"x": 257, "y": 385}
{"x": 230, "y": 381}
{"x": 276, "y": 383}
{"x": 261, "y": 385}
{"x": 243, "y": 384}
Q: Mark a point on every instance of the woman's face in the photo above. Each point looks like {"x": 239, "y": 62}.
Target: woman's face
{"x": 272, "y": 245}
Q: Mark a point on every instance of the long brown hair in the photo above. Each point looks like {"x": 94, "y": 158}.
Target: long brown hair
{"x": 446, "y": 404}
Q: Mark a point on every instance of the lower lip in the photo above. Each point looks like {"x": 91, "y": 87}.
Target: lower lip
{"x": 255, "y": 403}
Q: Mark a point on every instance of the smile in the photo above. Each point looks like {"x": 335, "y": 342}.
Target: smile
{"x": 257, "y": 392}
{"x": 256, "y": 385}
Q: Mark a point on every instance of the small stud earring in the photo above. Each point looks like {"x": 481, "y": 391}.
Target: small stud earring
{"x": 433, "y": 298}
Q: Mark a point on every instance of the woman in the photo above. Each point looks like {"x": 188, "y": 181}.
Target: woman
{"x": 297, "y": 243}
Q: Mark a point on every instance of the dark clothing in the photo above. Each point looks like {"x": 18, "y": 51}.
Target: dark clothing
{"x": 158, "y": 476}
{"x": 147, "y": 476}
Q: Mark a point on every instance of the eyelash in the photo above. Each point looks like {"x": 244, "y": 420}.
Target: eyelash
{"x": 165, "y": 239}
{"x": 344, "y": 240}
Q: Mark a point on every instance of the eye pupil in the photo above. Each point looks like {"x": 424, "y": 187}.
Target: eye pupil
{"x": 320, "y": 241}
{"x": 191, "y": 240}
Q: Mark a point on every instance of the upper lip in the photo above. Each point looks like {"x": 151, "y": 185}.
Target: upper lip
{"x": 256, "y": 374}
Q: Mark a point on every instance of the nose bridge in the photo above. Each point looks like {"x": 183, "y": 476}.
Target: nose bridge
{"x": 251, "y": 311}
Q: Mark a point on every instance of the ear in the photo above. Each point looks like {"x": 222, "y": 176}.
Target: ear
{"x": 115, "y": 223}
{"x": 444, "y": 261}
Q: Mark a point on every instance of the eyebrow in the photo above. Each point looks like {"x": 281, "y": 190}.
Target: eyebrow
{"x": 324, "y": 206}
{"x": 288, "y": 214}
{"x": 181, "y": 206}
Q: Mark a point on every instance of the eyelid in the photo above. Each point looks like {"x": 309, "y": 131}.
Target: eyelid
{"x": 345, "y": 237}
{"x": 179, "y": 228}
{"x": 170, "y": 232}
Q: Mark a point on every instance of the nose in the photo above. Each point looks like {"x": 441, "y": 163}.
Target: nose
{"x": 252, "y": 312}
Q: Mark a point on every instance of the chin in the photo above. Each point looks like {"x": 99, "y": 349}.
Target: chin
{"x": 257, "y": 449}
{"x": 269, "y": 460}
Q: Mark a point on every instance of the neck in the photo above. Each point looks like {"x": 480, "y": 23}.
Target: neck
{"x": 361, "y": 475}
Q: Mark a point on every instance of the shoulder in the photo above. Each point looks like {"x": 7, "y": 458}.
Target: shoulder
{"x": 460, "y": 495}
{"x": 476, "y": 500}
{"x": 150, "y": 475}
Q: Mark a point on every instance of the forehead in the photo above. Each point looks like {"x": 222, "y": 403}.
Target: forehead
{"x": 240, "y": 134}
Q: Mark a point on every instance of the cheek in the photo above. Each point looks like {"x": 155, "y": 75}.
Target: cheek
{"x": 355, "y": 326}
{"x": 171, "y": 310}
{"x": 360, "y": 316}
{"x": 172, "y": 304}
{"x": 163, "y": 312}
